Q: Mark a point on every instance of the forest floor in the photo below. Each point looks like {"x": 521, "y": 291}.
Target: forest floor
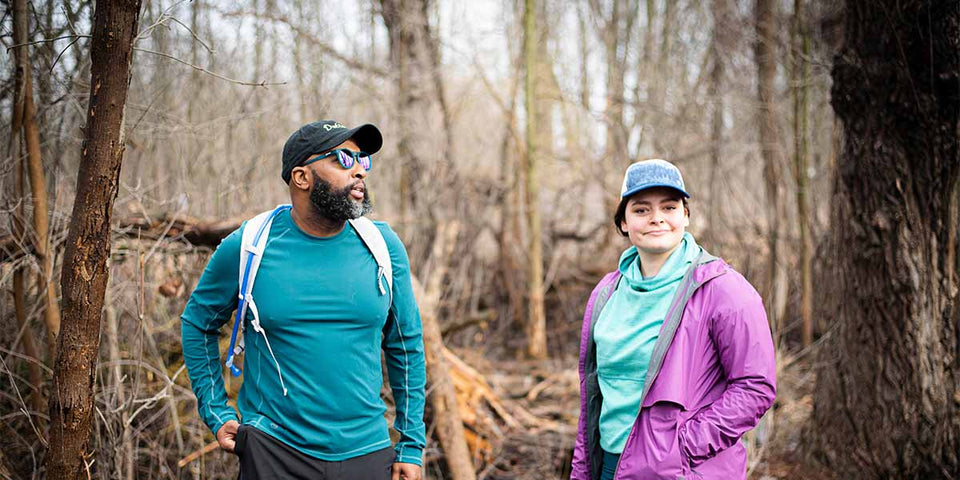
{"x": 550, "y": 390}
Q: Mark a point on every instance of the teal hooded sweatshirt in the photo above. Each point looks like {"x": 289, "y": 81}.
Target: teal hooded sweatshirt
{"x": 326, "y": 322}
{"x": 626, "y": 333}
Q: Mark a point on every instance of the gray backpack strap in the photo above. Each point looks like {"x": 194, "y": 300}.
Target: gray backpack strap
{"x": 374, "y": 241}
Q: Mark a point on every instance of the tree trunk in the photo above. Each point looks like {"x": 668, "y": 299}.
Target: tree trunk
{"x": 411, "y": 56}
{"x": 85, "y": 274}
{"x": 770, "y": 150}
{"x": 801, "y": 51}
{"x": 511, "y": 233}
{"x": 38, "y": 184}
{"x": 18, "y": 222}
{"x": 443, "y": 396}
{"x": 536, "y": 318}
{"x": 887, "y": 391}
{"x": 715, "y": 94}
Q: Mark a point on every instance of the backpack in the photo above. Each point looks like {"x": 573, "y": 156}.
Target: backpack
{"x": 254, "y": 240}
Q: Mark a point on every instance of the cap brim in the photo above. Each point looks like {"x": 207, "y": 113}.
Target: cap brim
{"x": 653, "y": 185}
{"x": 367, "y": 137}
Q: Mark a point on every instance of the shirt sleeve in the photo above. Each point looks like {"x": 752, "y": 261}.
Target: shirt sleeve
{"x": 403, "y": 350}
{"x": 209, "y": 307}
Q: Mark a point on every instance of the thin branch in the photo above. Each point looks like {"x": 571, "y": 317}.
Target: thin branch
{"x": 47, "y": 40}
{"x": 327, "y": 49}
{"x": 55, "y": 62}
{"x": 194, "y": 34}
{"x": 160, "y": 21}
{"x": 208, "y": 72}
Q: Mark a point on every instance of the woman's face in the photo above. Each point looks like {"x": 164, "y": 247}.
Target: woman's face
{"x": 655, "y": 220}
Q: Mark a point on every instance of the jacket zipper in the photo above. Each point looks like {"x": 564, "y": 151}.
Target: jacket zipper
{"x": 690, "y": 282}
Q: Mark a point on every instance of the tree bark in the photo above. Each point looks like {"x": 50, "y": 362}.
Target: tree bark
{"x": 411, "y": 56}
{"x": 536, "y": 318}
{"x": 887, "y": 403}
{"x": 85, "y": 274}
{"x": 770, "y": 150}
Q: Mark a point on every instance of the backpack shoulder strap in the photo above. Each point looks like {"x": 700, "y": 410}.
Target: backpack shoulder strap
{"x": 253, "y": 240}
{"x": 374, "y": 241}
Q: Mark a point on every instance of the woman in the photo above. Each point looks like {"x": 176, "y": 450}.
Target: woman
{"x": 676, "y": 357}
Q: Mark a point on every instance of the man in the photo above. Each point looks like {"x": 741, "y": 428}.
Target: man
{"x": 310, "y": 404}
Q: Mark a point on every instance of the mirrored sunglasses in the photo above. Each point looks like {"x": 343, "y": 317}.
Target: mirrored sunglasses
{"x": 346, "y": 158}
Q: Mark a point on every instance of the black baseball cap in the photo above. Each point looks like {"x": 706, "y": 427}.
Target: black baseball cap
{"x": 322, "y": 135}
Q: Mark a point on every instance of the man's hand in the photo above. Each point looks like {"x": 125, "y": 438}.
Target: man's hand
{"x": 405, "y": 471}
{"x": 227, "y": 436}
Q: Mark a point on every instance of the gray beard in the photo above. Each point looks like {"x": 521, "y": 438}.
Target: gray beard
{"x": 337, "y": 205}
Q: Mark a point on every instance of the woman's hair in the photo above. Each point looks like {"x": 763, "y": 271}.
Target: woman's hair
{"x": 621, "y": 213}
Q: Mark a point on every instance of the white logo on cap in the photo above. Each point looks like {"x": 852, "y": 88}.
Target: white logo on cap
{"x": 331, "y": 126}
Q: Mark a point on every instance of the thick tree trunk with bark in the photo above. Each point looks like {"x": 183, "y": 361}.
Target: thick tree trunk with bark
{"x": 85, "y": 275}
{"x": 887, "y": 403}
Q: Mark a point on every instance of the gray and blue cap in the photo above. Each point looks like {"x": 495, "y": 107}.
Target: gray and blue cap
{"x": 322, "y": 135}
{"x": 652, "y": 173}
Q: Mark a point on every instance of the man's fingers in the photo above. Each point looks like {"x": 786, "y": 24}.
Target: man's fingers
{"x": 228, "y": 444}
{"x": 227, "y": 435}
{"x": 406, "y": 471}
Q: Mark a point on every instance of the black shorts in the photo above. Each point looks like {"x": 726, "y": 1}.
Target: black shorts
{"x": 265, "y": 457}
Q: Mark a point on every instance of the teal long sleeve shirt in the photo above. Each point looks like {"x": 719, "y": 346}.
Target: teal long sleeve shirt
{"x": 327, "y": 322}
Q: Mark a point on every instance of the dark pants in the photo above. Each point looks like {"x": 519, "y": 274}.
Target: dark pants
{"x": 610, "y": 461}
{"x": 265, "y": 457}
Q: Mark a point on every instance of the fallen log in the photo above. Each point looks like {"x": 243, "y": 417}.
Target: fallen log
{"x": 173, "y": 227}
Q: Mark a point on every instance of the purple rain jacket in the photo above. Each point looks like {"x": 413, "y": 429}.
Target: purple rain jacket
{"x": 712, "y": 375}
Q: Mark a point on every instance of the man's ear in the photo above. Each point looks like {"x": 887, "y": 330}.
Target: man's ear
{"x": 300, "y": 178}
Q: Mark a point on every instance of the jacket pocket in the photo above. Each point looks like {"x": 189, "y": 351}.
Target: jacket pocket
{"x": 653, "y": 450}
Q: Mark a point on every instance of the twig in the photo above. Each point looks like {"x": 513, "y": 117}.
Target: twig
{"x": 46, "y": 40}
{"x": 160, "y": 21}
{"x": 194, "y": 34}
{"x": 23, "y": 404}
{"x": 327, "y": 49}
{"x": 208, "y": 72}
{"x": 198, "y": 453}
{"x": 55, "y": 62}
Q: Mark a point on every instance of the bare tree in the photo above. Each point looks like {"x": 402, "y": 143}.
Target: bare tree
{"x": 616, "y": 28}
{"x": 18, "y": 219}
{"x": 38, "y": 182}
{"x": 721, "y": 29}
{"x": 412, "y": 56}
{"x": 770, "y": 149}
{"x": 889, "y": 372}
{"x": 536, "y": 318}
{"x": 801, "y": 51}
{"x": 85, "y": 275}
